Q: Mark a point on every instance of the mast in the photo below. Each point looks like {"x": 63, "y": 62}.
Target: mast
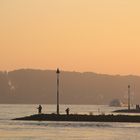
{"x": 128, "y": 97}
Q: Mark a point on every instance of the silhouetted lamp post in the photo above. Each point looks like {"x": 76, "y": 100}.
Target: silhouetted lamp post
{"x": 57, "y": 72}
{"x": 128, "y": 97}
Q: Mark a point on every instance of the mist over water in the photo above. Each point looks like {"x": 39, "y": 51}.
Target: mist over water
{"x": 46, "y": 130}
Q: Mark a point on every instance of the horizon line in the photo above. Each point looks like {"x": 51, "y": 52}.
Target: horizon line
{"x": 76, "y": 71}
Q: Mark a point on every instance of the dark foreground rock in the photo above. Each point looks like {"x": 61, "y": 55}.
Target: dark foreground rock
{"x": 84, "y": 118}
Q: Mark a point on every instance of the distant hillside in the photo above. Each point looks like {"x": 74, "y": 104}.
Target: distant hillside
{"x": 39, "y": 86}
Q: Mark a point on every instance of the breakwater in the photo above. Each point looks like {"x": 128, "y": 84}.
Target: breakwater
{"x": 84, "y": 118}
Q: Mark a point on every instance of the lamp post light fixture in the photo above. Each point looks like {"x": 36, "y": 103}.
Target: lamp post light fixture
{"x": 57, "y": 72}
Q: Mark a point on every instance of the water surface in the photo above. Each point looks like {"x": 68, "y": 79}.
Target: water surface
{"x": 46, "y": 130}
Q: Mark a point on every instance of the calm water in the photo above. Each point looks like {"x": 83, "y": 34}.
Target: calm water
{"x": 35, "y": 130}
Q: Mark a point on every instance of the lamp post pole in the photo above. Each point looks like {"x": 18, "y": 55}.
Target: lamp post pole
{"x": 128, "y": 97}
{"x": 57, "y": 72}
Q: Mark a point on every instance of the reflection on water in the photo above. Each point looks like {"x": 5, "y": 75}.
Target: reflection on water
{"x": 42, "y": 130}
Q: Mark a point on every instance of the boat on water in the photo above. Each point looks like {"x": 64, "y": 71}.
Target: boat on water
{"x": 116, "y": 103}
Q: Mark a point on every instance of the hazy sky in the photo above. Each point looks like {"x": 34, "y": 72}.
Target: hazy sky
{"x": 83, "y": 35}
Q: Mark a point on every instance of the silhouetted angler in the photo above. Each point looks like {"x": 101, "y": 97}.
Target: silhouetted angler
{"x": 39, "y": 109}
{"x": 67, "y": 111}
{"x": 137, "y": 107}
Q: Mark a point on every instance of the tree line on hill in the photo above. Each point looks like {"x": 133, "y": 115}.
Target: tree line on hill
{"x": 29, "y": 86}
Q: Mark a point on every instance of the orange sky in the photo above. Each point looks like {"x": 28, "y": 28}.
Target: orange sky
{"x": 82, "y": 35}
